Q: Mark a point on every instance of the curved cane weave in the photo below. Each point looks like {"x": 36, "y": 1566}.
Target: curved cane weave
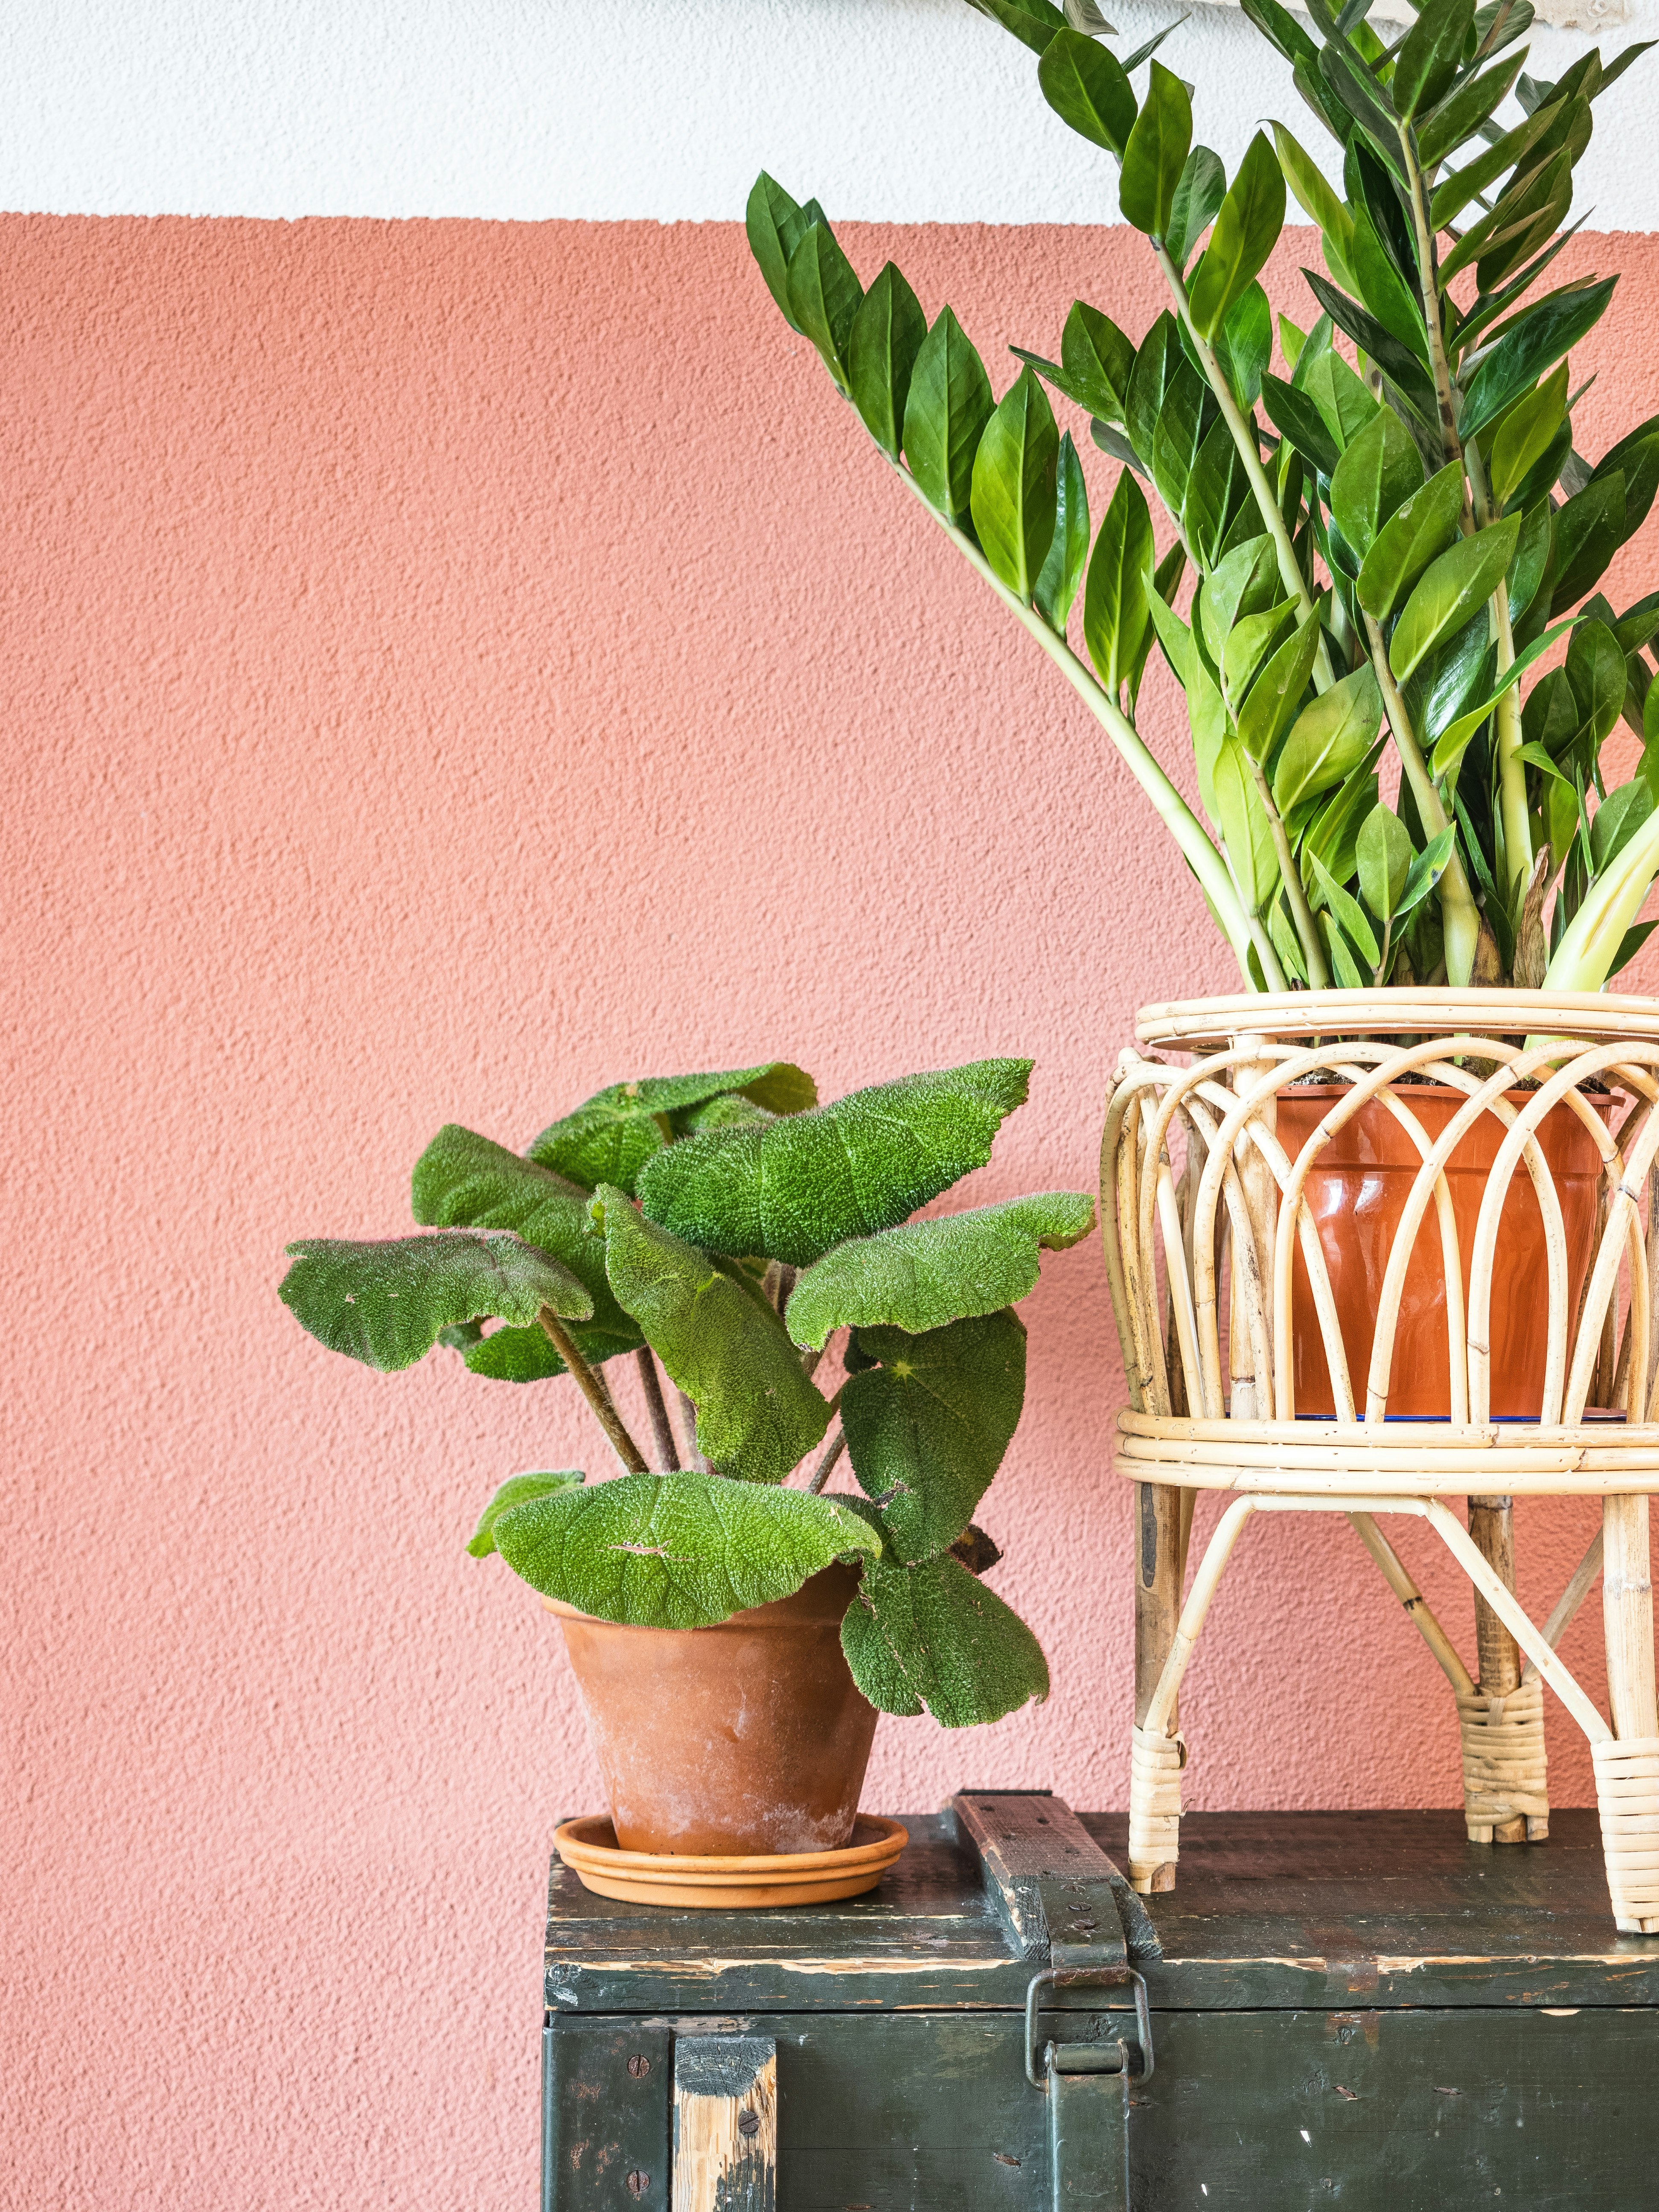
{"x": 1201, "y": 1200}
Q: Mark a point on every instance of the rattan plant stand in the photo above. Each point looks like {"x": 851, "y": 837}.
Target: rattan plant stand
{"x": 1202, "y": 1201}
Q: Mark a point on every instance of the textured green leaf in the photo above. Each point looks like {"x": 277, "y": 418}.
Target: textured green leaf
{"x": 1156, "y": 154}
{"x": 1383, "y": 854}
{"x": 1115, "y": 609}
{"x": 1199, "y": 190}
{"x": 1013, "y": 495}
{"x": 925, "y": 1273}
{"x": 1427, "y": 64}
{"x": 949, "y": 406}
{"x": 932, "y": 1637}
{"x": 927, "y": 1427}
{"x": 1379, "y": 472}
{"x": 851, "y": 1169}
{"x": 1328, "y": 739}
{"x": 1409, "y": 541}
{"x": 610, "y": 1136}
{"x": 757, "y": 1415}
{"x": 774, "y": 223}
{"x": 675, "y": 1551}
{"x": 1534, "y": 345}
{"x": 387, "y": 1303}
{"x": 825, "y": 296}
{"x": 1246, "y": 231}
{"x": 464, "y": 1181}
{"x": 881, "y": 355}
{"x": 517, "y": 1490}
{"x": 1086, "y": 87}
{"x": 1068, "y": 548}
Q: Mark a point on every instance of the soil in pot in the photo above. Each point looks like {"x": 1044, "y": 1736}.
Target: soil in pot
{"x": 1357, "y": 1193}
{"x": 745, "y": 1738}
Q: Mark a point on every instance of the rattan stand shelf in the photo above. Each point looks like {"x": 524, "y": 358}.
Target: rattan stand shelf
{"x": 1205, "y": 1215}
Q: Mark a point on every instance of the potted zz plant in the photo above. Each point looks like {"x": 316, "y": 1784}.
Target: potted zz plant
{"x": 1379, "y": 556}
{"x": 735, "y": 1626}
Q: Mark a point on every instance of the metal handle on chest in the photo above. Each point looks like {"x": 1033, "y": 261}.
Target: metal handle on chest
{"x": 1086, "y": 2058}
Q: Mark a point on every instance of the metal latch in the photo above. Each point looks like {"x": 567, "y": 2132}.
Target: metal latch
{"x": 1087, "y": 2087}
{"x": 1108, "y": 2057}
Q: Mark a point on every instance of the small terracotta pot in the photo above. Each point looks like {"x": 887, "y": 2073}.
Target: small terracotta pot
{"x": 750, "y": 1737}
{"x": 1357, "y": 1193}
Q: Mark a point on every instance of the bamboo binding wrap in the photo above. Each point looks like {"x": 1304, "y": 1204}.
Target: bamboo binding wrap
{"x": 1197, "y": 1192}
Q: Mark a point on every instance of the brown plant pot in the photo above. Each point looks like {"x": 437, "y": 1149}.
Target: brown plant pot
{"x": 746, "y": 1738}
{"x": 1356, "y": 1195}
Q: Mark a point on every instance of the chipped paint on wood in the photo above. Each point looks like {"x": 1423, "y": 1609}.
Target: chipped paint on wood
{"x": 726, "y": 2124}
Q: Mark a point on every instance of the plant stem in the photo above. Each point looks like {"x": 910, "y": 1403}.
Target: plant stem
{"x": 1460, "y": 917}
{"x": 694, "y": 1458}
{"x": 591, "y": 1383}
{"x": 1243, "y": 436}
{"x": 1581, "y": 959}
{"x": 1428, "y": 277}
{"x": 1511, "y": 768}
{"x": 1200, "y": 855}
{"x": 662, "y": 1429}
{"x": 1307, "y": 930}
{"x": 822, "y": 1472}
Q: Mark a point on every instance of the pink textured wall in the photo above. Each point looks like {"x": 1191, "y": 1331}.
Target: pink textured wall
{"x": 450, "y": 666}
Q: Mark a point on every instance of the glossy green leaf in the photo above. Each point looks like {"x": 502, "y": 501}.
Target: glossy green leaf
{"x": 1380, "y": 470}
{"x": 1535, "y": 344}
{"x": 1328, "y": 739}
{"x": 1099, "y": 358}
{"x": 1383, "y": 854}
{"x": 1427, "y": 64}
{"x": 387, "y": 1302}
{"x": 1245, "y": 583}
{"x": 1453, "y": 736}
{"x": 864, "y": 1164}
{"x": 1398, "y": 362}
{"x": 1636, "y": 459}
{"x": 1453, "y": 193}
{"x": 1085, "y": 86}
{"x": 1274, "y": 697}
{"x": 1199, "y": 191}
{"x": 1357, "y": 91}
{"x": 1295, "y": 416}
{"x": 1462, "y": 111}
{"x": 774, "y": 223}
{"x": 1347, "y": 910}
{"x": 944, "y": 417}
{"x": 1449, "y": 591}
{"x": 610, "y": 1136}
{"x": 517, "y": 1490}
{"x": 1156, "y": 154}
{"x": 1033, "y": 22}
{"x": 1183, "y": 422}
{"x": 1246, "y": 231}
{"x": 758, "y": 1414}
{"x": 1115, "y": 609}
{"x": 1013, "y": 495}
{"x": 926, "y": 1428}
{"x": 1316, "y": 198}
{"x": 1384, "y": 287}
{"x": 1068, "y": 548}
{"x": 1524, "y": 436}
{"x": 925, "y": 1274}
{"x": 1425, "y": 873}
{"x": 1159, "y": 359}
{"x": 887, "y": 335}
{"x": 1596, "y": 674}
{"x": 675, "y": 1551}
{"x": 1588, "y": 530}
{"x": 1344, "y": 405}
{"x": 932, "y": 1638}
{"x": 1409, "y": 541}
{"x": 1244, "y": 344}
{"x": 1216, "y": 491}
{"x": 1250, "y": 641}
{"x": 1334, "y": 835}
{"x": 1243, "y": 821}
{"x": 825, "y": 296}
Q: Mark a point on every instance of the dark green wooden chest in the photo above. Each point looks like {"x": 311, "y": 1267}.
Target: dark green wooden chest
{"x": 1358, "y": 2010}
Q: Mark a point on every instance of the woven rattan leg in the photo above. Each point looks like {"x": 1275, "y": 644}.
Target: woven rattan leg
{"x": 1627, "y": 1769}
{"x": 1492, "y": 1717}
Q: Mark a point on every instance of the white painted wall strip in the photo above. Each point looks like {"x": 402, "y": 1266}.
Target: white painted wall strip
{"x": 908, "y": 110}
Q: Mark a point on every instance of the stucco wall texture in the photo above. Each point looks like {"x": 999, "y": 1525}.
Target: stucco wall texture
{"x": 450, "y": 666}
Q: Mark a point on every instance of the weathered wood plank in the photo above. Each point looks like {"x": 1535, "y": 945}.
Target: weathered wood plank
{"x": 606, "y": 2115}
{"x": 1059, "y": 1894}
{"x": 726, "y": 2124}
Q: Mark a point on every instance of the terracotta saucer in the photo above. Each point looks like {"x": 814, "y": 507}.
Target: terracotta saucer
{"x": 589, "y": 1848}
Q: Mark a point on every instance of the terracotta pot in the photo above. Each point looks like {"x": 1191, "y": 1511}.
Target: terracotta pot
{"x": 1357, "y": 1193}
{"x": 748, "y": 1737}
